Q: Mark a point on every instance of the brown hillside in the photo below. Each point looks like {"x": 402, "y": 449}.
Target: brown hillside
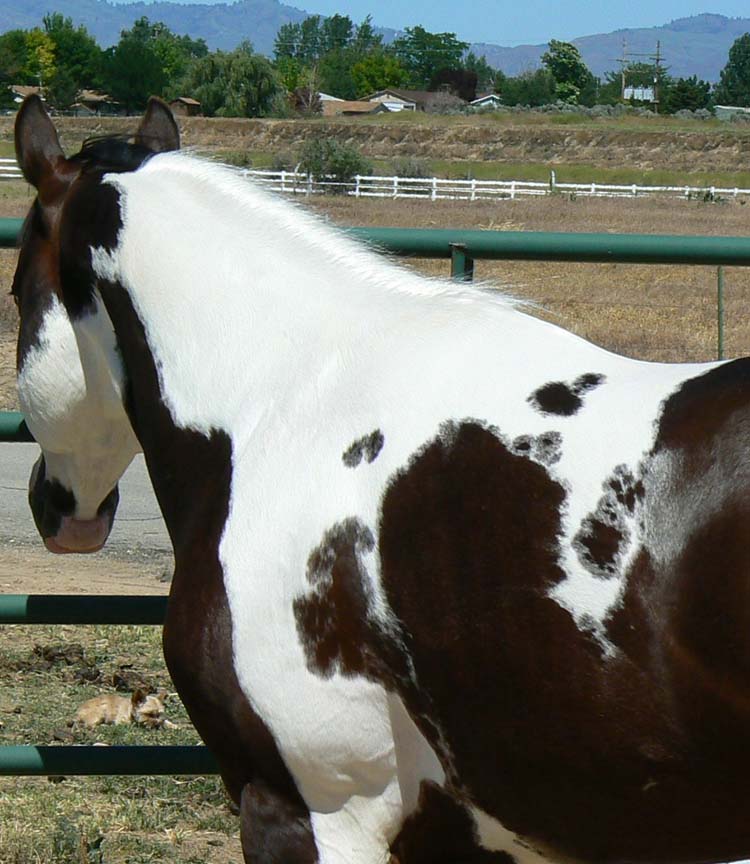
{"x": 705, "y": 147}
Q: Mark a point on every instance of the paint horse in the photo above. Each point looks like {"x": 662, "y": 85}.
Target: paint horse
{"x": 452, "y": 585}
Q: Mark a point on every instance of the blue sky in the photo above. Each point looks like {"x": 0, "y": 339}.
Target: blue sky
{"x": 510, "y": 22}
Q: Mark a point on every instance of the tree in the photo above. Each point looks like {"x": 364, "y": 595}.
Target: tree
{"x": 78, "y": 58}
{"x": 686, "y": 94}
{"x": 482, "y": 69}
{"x": 378, "y": 70}
{"x": 40, "y": 56}
{"x": 239, "y": 83}
{"x": 149, "y": 60}
{"x": 335, "y": 33}
{"x": 14, "y": 58}
{"x": 734, "y": 80}
{"x": 335, "y": 73}
{"x": 423, "y": 54}
{"x": 563, "y": 61}
{"x": 366, "y": 40}
{"x": 459, "y": 82}
{"x": 133, "y": 71}
{"x": 532, "y": 88}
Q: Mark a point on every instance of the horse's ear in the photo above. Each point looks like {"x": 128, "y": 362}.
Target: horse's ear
{"x": 158, "y": 130}
{"x": 38, "y": 149}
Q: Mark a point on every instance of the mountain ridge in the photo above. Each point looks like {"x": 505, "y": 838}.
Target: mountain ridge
{"x": 695, "y": 45}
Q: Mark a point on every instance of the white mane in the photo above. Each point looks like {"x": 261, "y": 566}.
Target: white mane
{"x": 307, "y": 233}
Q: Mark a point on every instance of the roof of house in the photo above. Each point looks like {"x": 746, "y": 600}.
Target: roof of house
{"x": 186, "y": 100}
{"x": 94, "y": 96}
{"x": 486, "y": 97}
{"x": 25, "y": 90}
{"x": 342, "y": 106}
{"x": 404, "y": 95}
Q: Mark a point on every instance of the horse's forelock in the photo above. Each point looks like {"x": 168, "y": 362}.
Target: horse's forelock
{"x": 112, "y": 153}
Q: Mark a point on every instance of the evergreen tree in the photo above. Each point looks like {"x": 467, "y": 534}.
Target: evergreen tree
{"x": 734, "y": 82}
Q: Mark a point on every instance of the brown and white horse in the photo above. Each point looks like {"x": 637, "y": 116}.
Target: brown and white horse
{"x": 452, "y": 585}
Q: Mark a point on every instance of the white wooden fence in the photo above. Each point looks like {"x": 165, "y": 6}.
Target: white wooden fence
{"x": 436, "y": 189}
{"x": 9, "y": 170}
{"x": 439, "y": 189}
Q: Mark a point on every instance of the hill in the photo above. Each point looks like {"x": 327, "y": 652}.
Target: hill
{"x": 691, "y": 46}
{"x": 698, "y": 45}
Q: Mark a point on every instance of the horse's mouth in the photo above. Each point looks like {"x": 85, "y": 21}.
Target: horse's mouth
{"x": 79, "y": 535}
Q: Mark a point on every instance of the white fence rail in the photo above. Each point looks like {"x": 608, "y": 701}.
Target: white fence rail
{"x": 439, "y": 189}
{"x": 436, "y": 189}
{"x": 9, "y": 170}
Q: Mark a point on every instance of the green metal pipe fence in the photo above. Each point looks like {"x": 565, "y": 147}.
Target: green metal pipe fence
{"x": 462, "y": 248}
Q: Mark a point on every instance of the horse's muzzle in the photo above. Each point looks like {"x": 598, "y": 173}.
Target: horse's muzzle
{"x": 79, "y": 535}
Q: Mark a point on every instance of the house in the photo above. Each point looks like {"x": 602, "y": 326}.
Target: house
{"x": 184, "y": 106}
{"x": 400, "y": 100}
{"x": 488, "y": 100}
{"x": 94, "y": 103}
{"x": 351, "y": 108}
{"x": 412, "y": 100}
{"x": 21, "y": 91}
{"x": 726, "y": 112}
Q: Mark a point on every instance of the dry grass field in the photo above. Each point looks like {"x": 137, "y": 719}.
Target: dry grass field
{"x": 654, "y": 313}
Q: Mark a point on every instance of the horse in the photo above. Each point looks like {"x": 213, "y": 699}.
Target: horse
{"x": 451, "y": 584}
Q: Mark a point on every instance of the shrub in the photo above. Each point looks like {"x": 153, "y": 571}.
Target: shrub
{"x": 327, "y": 159}
{"x": 411, "y": 166}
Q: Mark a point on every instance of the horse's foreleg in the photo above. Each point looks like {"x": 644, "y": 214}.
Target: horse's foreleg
{"x": 273, "y": 830}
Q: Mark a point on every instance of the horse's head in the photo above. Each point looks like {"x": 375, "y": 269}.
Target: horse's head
{"x": 71, "y": 381}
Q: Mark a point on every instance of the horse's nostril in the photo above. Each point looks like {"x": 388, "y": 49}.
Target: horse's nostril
{"x": 109, "y": 504}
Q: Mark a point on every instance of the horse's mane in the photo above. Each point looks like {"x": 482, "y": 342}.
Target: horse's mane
{"x": 113, "y": 153}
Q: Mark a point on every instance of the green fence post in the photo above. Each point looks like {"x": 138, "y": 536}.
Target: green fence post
{"x": 720, "y": 314}
{"x": 462, "y": 265}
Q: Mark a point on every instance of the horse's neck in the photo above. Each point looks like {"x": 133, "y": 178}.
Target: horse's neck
{"x": 241, "y": 296}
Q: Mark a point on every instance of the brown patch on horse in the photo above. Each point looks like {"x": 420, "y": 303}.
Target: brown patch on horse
{"x": 441, "y": 831}
{"x": 273, "y": 830}
{"x": 198, "y": 628}
{"x": 469, "y": 542}
{"x": 336, "y": 620}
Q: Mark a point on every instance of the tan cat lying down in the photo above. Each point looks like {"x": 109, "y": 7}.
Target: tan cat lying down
{"x": 146, "y": 709}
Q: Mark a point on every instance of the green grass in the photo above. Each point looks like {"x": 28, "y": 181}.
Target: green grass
{"x": 126, "y": 819}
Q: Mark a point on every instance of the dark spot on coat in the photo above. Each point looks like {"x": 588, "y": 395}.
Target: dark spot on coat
{"x": 604, "y": 533}
{"x": 556, "y": 398}
{"x": 368, "y": 448}
{"x": 598, "y": 545}
{"x": 563, "y": 399}
{"x": 441, "y": 831}
{"x": 545, "y": 449}
{"x": 336, "y": 620}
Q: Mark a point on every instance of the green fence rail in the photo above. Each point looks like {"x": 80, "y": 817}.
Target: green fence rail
{"x": 462, "y": 248}
{"x": 30, "y": 761}
{"x": 82, "y": 609}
